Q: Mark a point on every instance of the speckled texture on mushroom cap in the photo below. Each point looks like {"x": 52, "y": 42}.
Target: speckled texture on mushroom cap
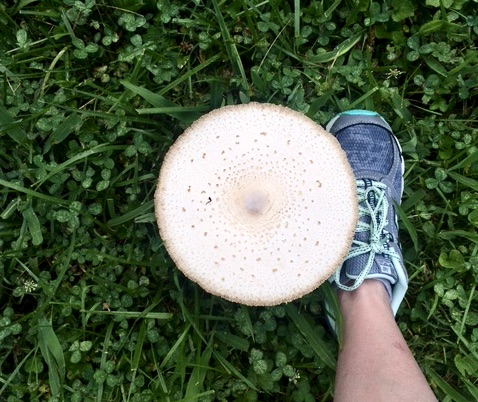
{"x": 256, "y": 203}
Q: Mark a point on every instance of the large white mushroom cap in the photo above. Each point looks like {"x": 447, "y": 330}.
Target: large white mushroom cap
{"x": 256, "y": 203}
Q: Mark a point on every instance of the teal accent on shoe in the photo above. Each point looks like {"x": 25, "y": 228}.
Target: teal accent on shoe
{"x": 359, "y": 112}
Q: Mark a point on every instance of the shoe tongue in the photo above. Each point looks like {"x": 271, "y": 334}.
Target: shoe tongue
{"x": 372, "y": 200}
{"x": 371, "y": 196}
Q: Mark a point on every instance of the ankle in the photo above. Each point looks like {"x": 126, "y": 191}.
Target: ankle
{"x": 370, "y": 292}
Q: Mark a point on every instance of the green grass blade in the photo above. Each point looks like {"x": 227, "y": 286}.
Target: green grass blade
{"x": 311, "y": 337}
{"x": 450, "y": 234}
{"x": 196, "y": 380}
{"x": 331, "y": 9}
{"x": 64, "y": 267}
{"x": 28, "y": 270}
{"x": 81, "y": 157}
{"x": 466, "y": 181}
{"x": 175, "y": 347}
{"x": 230, "y": 45}
{"x": 133, "y": 214}
{"x": 138, "y": 352}
{"x": 160, "y": 102}
{"x": 133, "y": 314}
{"x": 340, "y": 50}
{"x": 445, "y": 387}
{"x": 469, "y": 160}
{"x": 248, "y": 321}
{"x": 408, "y": 225}
{"x": 231, "y": 369}
{"x": 362, "y": 99}
{"x": 465, "y": 314}
{"x": 333, "y": 305}
{"x": 189, "y": 74}
{"x": 104, "y": 357}
{"x": 296, "y": 19}
{"x": 197, "y": 397}
{"x": 35, "y": 194}
{"x": 14, "y": 373}
{"x": 472, "y": 389}
{"x": 413, "y": 199}
{"x": 173, "y": 110}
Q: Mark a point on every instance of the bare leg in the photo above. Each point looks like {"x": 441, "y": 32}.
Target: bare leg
{"x": 375, "y": 363}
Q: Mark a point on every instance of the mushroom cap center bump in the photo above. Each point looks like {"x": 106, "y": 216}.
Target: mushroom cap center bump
{"x": 256, "y": 203}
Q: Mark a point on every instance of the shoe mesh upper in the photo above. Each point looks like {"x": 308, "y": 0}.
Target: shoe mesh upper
{"x": 368, "y": 146}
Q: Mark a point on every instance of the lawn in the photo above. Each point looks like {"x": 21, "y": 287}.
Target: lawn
{"x": 93, "y": 93}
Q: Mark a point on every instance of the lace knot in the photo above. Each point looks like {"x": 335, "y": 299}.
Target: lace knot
{"x": 376, "y": 245}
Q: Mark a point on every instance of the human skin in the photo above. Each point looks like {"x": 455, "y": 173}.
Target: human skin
{"x": 375, "y": 363}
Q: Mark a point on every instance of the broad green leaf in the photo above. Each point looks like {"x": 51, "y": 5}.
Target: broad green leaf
{"x": 11, "y": 127}
{"x": 402, "y": 9}
{"x": 33, "y": 225}
{"x": 453, "y": 260}
{"x": 63, "y": 131}
{"x": 52, "y": 353}
{"x": 22, "y": 37}
{"x": 432, "y": 26}
{"x": 34, "y": 365}
{"x": 10, "y": 208}
{"x": 233, "y": 341}
{"x": 435, "y": 65}
{"x": 473, "y": 217}
{"x": 438, "y": 3}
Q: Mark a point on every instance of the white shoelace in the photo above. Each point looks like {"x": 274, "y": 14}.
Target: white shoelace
{"x": 379, "y": 237}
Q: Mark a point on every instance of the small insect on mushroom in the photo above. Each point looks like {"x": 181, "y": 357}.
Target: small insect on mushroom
{"x": 284, "y": 175}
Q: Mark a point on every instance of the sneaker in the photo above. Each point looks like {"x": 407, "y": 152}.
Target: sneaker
{"x": 374, "y": 154}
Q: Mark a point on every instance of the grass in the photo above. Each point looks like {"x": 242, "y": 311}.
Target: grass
{"x": 92, "y": 95}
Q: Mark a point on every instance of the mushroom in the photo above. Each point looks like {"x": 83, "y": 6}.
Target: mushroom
{"x": 256, "y": 203}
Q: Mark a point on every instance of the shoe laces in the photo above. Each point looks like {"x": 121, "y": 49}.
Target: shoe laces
{"x": 373, "y": 210}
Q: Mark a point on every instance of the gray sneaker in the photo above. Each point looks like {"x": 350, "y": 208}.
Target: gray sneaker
{"x": 375, "y": 156}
